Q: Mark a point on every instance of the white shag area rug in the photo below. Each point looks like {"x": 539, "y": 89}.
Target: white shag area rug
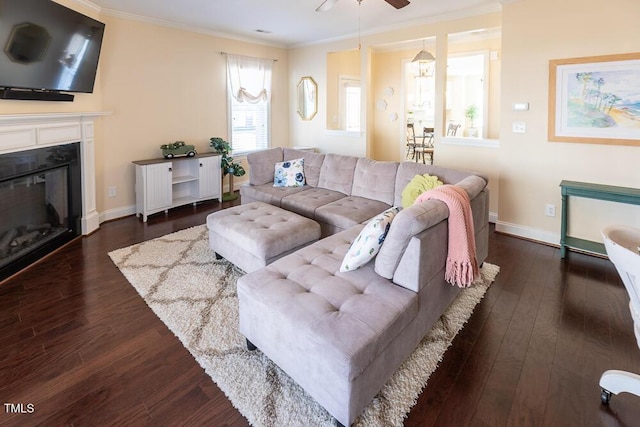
{"x": 195, "y": 296}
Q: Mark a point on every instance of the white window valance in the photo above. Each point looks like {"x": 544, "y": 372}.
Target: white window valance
{"x": 249, "y": 78}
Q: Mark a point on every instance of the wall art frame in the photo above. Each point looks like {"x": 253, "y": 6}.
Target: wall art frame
{"x": 595, "y": 99}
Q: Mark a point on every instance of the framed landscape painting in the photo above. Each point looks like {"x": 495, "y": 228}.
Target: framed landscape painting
{"x": 595, "y": 99}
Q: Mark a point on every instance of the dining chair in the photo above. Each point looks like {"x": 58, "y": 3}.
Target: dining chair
{"x": 411, "y": 140}
{"x": 426, "y": 148}
{"x": 452, "y": 129}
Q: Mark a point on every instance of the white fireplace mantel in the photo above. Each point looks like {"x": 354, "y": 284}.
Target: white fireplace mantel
{"x": 21, "y": 132}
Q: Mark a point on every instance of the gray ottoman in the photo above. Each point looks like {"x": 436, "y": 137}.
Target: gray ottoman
{"x": 254, "y": 235}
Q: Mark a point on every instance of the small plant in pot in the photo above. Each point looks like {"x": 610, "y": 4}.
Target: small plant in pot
{"x": 471, "y": 113}
{"x": 228, "y": 166}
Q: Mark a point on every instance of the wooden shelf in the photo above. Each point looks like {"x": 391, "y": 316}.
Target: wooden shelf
{"x": 585, "y": 245}
{"x": 175, "y": 159}
{"x": 589, "y": 190}
{"x": 184, "y": 178}
{"x": 185, "y": 200}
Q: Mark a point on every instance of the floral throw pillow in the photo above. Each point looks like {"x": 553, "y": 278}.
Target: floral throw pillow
{"x": 369, "y": 241}
{"x": 289, "y": 173}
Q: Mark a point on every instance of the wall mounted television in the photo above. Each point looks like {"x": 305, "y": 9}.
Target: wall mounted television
{"x": 47, "y": 50}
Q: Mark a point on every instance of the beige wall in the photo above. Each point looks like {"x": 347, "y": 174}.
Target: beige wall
{"x": 531, "y": 168}
{"x": 388, "y": 136}
{"x": 383, "y": 138}
{"x": 345, "y": 63}
{"x": 163, "y": 84}
{"x": 525, "y": 169}
{"x": 312, "y": 61}
{"x": 159, "y": 85}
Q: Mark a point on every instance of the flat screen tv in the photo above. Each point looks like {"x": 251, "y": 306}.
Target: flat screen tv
{"x": 47, "y": 49}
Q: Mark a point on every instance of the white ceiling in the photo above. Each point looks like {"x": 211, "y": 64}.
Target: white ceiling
{"x": 290, "y": 22}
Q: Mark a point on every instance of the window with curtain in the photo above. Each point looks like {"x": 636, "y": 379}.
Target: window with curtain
{"x": 249, "y": 91}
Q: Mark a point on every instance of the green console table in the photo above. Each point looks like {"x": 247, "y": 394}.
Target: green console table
{"x": 591, "y": 191}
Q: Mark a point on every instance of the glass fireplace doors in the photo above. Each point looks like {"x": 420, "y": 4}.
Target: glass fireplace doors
{"x": 39, "y": 204}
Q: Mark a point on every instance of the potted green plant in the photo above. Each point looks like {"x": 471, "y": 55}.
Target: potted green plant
{"x": 228, "y": 166}
{"x": 471, "y": 113}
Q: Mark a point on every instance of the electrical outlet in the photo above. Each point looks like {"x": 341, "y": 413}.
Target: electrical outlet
{"x": 112, "y": 191}
{"x": 550, "y": 210}
{"x": 519, "y": 127}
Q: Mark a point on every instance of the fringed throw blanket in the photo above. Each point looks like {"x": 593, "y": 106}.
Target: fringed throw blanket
{"x": 462, "y": 264}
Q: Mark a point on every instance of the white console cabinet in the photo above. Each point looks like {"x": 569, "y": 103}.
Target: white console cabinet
{"x": 162, "y": 184}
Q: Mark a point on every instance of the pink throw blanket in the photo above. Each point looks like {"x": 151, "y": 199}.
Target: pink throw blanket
{"x": 462, "y": 265}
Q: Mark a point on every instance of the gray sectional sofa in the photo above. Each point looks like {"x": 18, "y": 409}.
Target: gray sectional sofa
{"x": 342, "y": 335}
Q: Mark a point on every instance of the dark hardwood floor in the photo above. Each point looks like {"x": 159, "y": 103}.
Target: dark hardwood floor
{"x": 79, "y": 345}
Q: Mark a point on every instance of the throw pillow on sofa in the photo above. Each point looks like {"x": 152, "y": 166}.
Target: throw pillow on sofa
{"x": 418, "y": 185}
{"x": 289, "y": 173}
{"x": 369, "y": 241}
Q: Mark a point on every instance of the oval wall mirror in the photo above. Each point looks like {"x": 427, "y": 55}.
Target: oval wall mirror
{"x": 307, "y": 95}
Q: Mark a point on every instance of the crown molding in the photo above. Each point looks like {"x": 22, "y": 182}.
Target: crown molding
{"x": 170, "y": 24}
{"x": 461, "y": 14}
{"x": 88, "y": 5}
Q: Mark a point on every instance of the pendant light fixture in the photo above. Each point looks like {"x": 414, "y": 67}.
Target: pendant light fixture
{"x": 423, "y": 58}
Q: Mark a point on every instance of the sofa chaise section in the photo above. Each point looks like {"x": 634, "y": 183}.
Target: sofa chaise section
{"x": 324, "y": 328}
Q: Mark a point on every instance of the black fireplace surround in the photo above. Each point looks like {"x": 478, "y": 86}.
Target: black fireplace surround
{"x": 40, "y": 204}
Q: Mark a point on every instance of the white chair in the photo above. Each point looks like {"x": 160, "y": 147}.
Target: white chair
{"x": 623, "y": 245}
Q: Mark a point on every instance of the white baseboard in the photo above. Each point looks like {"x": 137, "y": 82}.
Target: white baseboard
{"x": 552, "y": 239}
{"x": 90, "y": 223}
{"x": 503, "y": 227}
{"x": 112, "y": 214}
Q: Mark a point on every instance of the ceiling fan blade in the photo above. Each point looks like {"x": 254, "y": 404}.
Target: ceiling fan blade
{"x": 326, "y": 5}
{"x": 398, "y": 4}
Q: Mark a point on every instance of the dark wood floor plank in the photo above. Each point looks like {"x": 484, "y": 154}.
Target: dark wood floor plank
{"x": 64, "y": 384}
{"x": 495, "y": 404}
{"x": 440, "y": 386}
{"x": 530, "y": 394}
{"x": 29, "y": 373}
{"x": 564, "y": 406}
{"x": 185, "y": 404}
{"x": 571, "y": 331}
{"x": 141, "y": 378}
{"x": 529, "y": 400}
{"x": 470, "y": 383}
{"x": 61, "y": 407}
{"x": 79, "y": 342}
